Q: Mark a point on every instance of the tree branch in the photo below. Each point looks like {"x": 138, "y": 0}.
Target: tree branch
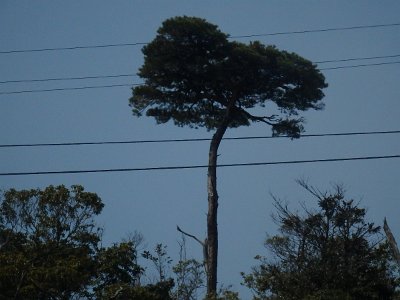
{"x": 204, "y": 245}
{"x": 270, "y": 120}
{"x": 116, "y": 294}
{"x": 190, "y": 235}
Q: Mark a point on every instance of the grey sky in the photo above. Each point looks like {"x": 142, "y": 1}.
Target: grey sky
{"x": 154, "y": 202}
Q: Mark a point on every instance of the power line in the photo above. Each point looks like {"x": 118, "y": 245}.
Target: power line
{"x": 232, "y": 37}
{"x": 192, "y": 140}
{"x": 317, "y": 30}
{"x": 69, "y": 78}
{"x": 70, "y": 88}
{"x": 359, "y": 66}
{"x": 132, "y": 75}
{"x": 135, "y": 84}
{"x": 200, "y": 166}
{"x": 356, "y": 58}
{"x": 73, "y": 48}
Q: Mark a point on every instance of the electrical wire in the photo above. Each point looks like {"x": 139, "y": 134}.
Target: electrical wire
{"x": 356, "y": 58}
{"x": 136, "y": 84}
{"x": 69, "y": 78}
{"x": 73, "y": 48}
{"x": 359, "y": 66}
{"x": 193, "y": 139}
{"x": 200, "y": 166}
{"x": 231, "y": 37}
{"x": 70, "y": 88}
{"x": 135, "y": 75}
{"x": 316, "y": 30}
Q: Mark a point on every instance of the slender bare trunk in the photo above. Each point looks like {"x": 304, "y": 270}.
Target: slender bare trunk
{"x": 212, "y": 224}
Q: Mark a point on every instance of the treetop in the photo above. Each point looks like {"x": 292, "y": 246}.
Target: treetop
{"x": 195, "y": 76}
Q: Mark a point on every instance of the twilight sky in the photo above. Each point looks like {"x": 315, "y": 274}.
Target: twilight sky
{"x": 358, "y": 99}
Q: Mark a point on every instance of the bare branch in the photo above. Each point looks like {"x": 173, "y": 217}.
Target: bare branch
{"x": 204, "y": 245}
{"x": 190, "y": 235}
{"x": 270, "y": 120}
{"x": 312, "y": 190}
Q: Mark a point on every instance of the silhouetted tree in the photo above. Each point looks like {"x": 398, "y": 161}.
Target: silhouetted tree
{"x": 117, "y": 269}
{"x": 50, "y": 249}
{"x": 50, "y": 240}
{"x": 332, "y": 253}
{"x": 189, "y": 275}
{"x": 195, "y": 76}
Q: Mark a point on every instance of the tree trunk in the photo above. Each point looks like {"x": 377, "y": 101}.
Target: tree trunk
{"x": 212, "y": 224}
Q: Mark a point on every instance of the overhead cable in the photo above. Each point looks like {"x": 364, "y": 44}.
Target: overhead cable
{"x": 134, "y": 75}
{"x": 200, "y": 166}
{"x": 232, "y": 37}
{"x": 359, "y": 66}
{"x": 70, "y": 88}
{"x": 73, "y": 48}
{"x": 193, "y": 139}
{"x": 135, "y": 84}
{"x": 69, "y": 78}
{"x": 317, "y": 30}
{"x": 356, "y": 58}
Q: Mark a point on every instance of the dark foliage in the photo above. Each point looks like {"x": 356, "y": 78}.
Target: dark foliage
{"x": 49, "y": 241}
{"x": 196, "y": 77}
{"x": 332, "y": 253}
{"x": 193, "y": 73}
{"x": 50, "y": 249}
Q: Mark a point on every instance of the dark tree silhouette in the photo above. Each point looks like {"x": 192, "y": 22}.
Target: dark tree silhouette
{"x": 50, "y": 239}
{"x": 331, "y": 252}
{"x": 50, "y": 248}
{"x": 195, "y": 76}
